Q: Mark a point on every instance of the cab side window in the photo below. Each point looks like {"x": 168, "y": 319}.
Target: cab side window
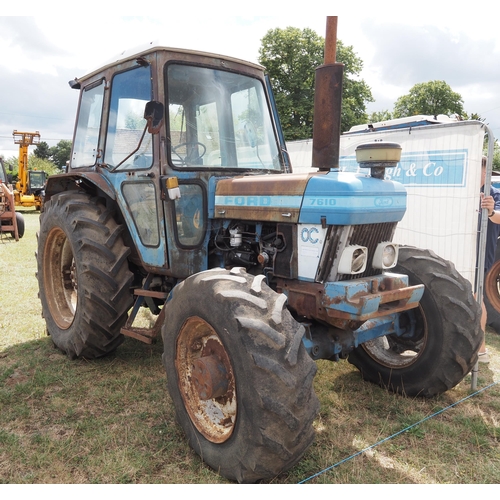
{"x": 126, "y": 146}
{"x": 87, "y": 130}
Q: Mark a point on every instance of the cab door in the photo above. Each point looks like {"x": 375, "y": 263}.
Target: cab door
{"x": 218, "y": 124}
{"x": 131, "y": 162}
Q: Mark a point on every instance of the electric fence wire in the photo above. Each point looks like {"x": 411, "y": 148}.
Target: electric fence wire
{"x": 324, "y": 471}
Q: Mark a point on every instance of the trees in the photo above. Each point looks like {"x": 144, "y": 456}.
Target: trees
{"x": 61, "y": 153}
{"x": 290, "y": 57}
{"x": 43, "y": 158}
{"x": 58, "y": 154}
{"x": 380, "y": 116}
{"x": 431, "y": 98}
{"x": 34, "y": 163}
{"x": 496, "y": 157}
{"x": 47, "y": 166}
{"x": 496, "y": 152}
{"x": 11, "y": 163}
{"x": 42, "y": 151}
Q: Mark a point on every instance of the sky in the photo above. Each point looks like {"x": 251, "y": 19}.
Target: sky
{"x": 400, "y": 44}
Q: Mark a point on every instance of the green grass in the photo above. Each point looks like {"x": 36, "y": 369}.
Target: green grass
{"x": 111, "y": 421}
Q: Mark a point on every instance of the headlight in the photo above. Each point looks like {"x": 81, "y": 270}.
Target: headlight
{"x": 386, "y": 255}
{"x": 353, "y": 260}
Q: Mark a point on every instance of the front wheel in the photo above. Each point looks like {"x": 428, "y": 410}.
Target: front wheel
{"x": 446, "y": 337}
{"x": 238, "y": 374}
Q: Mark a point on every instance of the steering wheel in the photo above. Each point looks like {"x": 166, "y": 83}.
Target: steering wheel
{"x": 187, "y": 159}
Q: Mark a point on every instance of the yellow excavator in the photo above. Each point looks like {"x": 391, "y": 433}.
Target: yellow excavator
{"x": 29, "y": 188}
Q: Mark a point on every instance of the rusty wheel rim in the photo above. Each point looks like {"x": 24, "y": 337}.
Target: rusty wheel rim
{"x": 394, "y": 352}
{"x": 206, "y": 380}
{"x": 59, "y": 275}
{"x": 492, "y": 285}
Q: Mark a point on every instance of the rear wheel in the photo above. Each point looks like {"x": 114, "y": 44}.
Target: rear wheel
{"x": 83, "y": 275}
{"x": 238, "y": 374}
{"x": 443, "y": 347}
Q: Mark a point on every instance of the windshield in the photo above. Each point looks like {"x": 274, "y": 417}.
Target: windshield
{"x": 37, "y": 179}
{"x": 219, "y": 119}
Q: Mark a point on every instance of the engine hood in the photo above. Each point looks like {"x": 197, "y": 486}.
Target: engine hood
{"x": 340, "y": 198}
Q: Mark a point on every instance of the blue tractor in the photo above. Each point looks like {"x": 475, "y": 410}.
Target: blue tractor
{"x": 179, "y": 197}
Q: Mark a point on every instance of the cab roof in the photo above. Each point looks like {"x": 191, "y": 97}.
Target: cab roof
{"x": 142, "y": 50}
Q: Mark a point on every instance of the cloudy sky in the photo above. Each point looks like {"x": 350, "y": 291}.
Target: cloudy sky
{"x": 400, "y": 43}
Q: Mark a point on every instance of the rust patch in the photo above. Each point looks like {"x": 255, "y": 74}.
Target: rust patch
{"x": 309, "y": 300}
{"x": 281, "y": 214}
{"x": 266, "y": 185}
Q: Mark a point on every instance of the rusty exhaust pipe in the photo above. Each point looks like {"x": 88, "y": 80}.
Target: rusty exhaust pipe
{"x": 328, "y": 104}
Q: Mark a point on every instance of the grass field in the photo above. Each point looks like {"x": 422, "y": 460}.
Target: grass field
{"x": 111, "y": 420}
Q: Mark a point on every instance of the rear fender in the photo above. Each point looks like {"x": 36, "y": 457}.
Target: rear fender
{"x": 88, "y": 181}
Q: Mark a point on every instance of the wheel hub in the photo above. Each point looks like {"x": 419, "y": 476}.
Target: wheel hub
{"x": 396, "y": 352}
{"x": 206, "y": 380}
{"x": 209, "y": 378}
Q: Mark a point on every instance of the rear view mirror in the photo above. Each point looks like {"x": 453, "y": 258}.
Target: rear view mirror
{"x": 153, "y": 114}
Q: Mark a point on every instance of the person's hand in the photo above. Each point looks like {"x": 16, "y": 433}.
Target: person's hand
{"x": 487, "y": 203}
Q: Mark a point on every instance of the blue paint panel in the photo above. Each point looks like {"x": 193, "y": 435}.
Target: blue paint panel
{"x": 443, "y": 168}
{"x": 345, "y": 198}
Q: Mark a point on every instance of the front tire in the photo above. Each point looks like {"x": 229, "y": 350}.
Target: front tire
{"x": 238, "y": 374}
{"x": 444, "y": 346}
{"x": 83, "y": 275}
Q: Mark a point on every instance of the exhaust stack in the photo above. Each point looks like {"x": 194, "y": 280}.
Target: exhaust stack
{"x": 328, "y": 103}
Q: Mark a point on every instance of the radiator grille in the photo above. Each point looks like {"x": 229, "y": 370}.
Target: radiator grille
{"x": 367, "y": 235}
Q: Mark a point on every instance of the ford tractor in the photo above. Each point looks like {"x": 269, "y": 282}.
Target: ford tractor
{"x": 180, "y": 197}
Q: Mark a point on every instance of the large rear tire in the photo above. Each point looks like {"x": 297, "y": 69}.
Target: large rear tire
{"x": 238, "y": 374}
{"x": 83, "y": 275}
{"x": 444, "y": 346}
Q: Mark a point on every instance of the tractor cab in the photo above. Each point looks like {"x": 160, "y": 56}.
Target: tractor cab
{"x": 169, "y": 117}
